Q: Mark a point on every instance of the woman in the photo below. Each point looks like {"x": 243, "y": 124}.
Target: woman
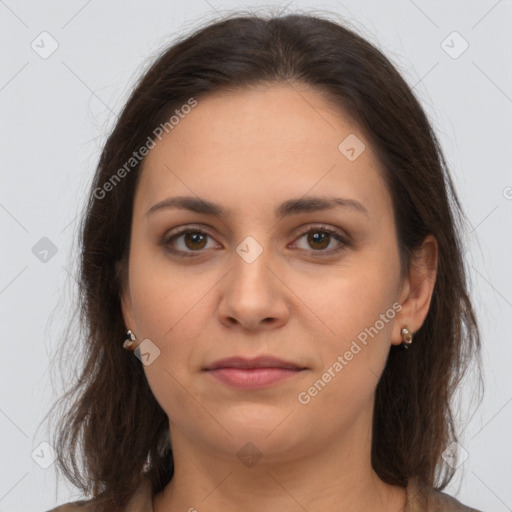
{"x": 271, "y": 225}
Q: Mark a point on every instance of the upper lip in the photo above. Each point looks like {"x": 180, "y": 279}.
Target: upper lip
{"x": 256, "y": 362}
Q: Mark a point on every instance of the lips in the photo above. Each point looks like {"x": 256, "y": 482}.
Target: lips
{"x": 252, "y": 374}
{"x": 257, "y": 362}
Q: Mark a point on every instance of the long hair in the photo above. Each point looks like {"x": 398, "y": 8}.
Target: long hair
{"x": 114, "y": 433}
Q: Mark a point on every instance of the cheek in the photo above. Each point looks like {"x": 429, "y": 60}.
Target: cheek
{"x": 359, "y": 310}
{"x": 166, "y": 315}
{"x": 352, "y": 360}
{"x": 163, "y": 294}
{"x": 355, "y": 298}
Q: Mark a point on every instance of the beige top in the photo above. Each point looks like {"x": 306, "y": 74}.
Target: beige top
{"x": 418, "y": 500}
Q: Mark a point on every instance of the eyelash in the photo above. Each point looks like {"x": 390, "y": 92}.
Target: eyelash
{"x": 336, "y": 234}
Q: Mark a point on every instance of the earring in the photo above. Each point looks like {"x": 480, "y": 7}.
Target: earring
{"x": 130, "y": 343}
{"x": 406, "y": 336}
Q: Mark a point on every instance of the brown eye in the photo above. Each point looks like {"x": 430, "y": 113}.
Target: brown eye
{"x": 194, "y": 240}
{"x": 319, "y": 238}
{"x": 187, "y": 242}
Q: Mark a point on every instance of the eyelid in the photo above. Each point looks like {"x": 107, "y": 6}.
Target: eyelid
{"x": 334, "y": 232}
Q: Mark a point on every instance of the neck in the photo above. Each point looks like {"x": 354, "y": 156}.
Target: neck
{"x": 330, "y": 477}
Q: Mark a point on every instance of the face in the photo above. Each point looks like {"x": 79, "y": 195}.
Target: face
{"x": 308, "y": 285}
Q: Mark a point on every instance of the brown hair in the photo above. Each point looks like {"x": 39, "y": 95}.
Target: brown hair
{"x": 115, "y": 432}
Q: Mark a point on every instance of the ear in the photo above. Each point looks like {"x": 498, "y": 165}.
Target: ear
{"x": 416, "y": 290}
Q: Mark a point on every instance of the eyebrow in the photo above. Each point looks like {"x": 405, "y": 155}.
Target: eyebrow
{"x": 287, "y": 208}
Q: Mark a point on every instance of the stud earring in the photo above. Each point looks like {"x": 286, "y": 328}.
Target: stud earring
{"x": 130, "y": 343}
{"x": 406, "y": 336}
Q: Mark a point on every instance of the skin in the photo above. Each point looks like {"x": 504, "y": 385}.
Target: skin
{"x": 249, "y": 151}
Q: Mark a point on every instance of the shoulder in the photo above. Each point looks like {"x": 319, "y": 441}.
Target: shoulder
{"x": 423, "y": 499}
{"x": 141, "y": 502}
{"x": 75, "y": 506}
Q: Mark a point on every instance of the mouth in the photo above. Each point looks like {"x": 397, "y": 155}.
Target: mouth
{"x": 254, "y": 363}
{"x": 256, "y": 373}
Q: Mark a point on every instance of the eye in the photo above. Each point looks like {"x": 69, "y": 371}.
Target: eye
{"x": 320, "y": 237}
{"x": 191, "y": 241}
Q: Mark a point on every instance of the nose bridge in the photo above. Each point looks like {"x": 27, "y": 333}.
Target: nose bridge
{"x": 251, "y": 261}
{"x": 252, "y": 292}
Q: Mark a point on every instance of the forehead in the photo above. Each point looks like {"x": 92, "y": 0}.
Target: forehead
{"x": 277, "y": 141}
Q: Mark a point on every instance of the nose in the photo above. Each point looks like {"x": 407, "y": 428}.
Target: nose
{"x": 254, "y": 295}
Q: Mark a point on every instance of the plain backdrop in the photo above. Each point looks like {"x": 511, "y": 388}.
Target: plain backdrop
{"x": 66, "y": 70}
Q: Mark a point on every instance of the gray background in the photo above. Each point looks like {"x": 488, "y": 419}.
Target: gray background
{"x": 56, "y": 112}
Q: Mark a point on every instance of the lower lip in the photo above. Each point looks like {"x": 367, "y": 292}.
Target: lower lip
{"x": 252, "y": 378}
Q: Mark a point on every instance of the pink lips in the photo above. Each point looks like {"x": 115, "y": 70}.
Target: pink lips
{"x": 256, "y": 373}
